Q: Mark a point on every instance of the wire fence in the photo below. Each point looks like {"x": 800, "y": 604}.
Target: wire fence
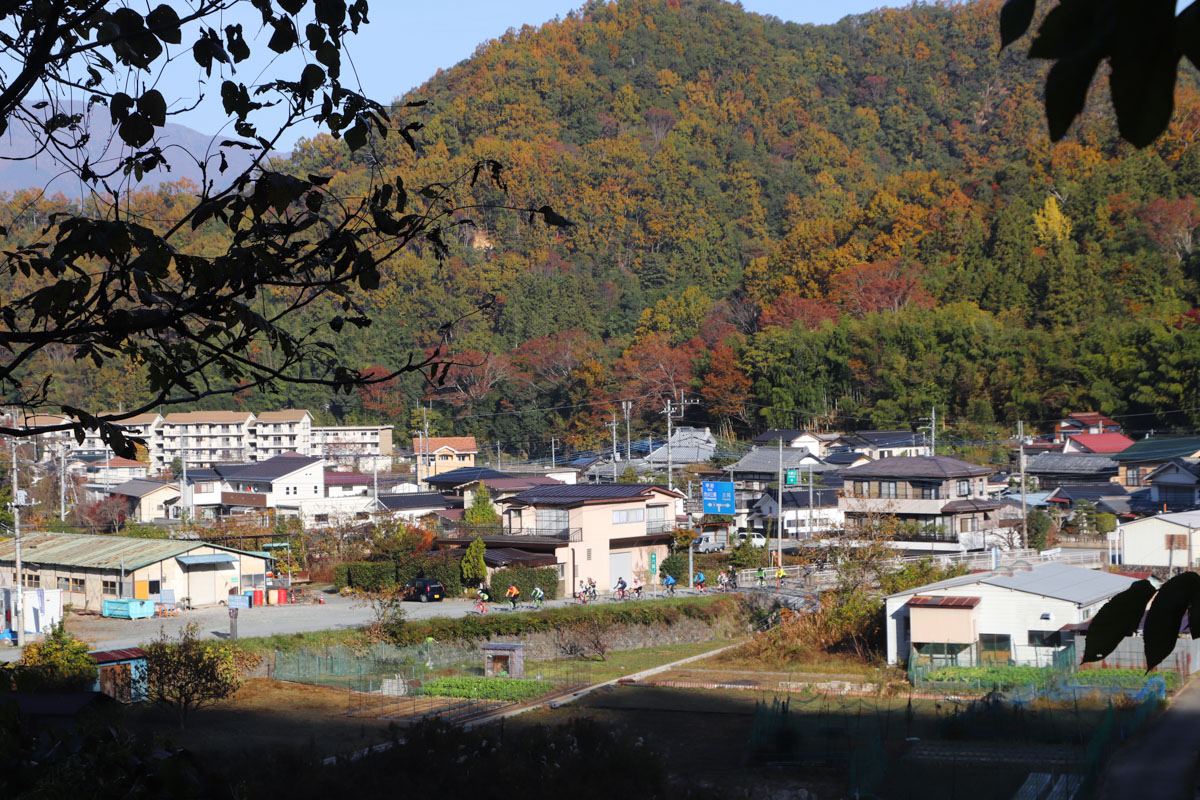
{"x": 395, "y": 682}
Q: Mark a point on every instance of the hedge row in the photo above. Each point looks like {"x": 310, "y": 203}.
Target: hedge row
{"x": 645, "y": 612}
{"x": 374, "y": 576}
{"x": 525, "y": 578}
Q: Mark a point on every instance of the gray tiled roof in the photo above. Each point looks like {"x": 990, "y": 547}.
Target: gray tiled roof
{"x": 766, "y": 459}
{"x": 1071, "y": 463}
{"x": 269, "y": 470}
{"x": 936, "y": 467}
{"x": 138, "y": 487}
{"x": 583, "y": 492}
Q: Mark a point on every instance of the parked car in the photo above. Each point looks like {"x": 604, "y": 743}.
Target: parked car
{"x": 706, "y": 543}
{"x": 756, "y": 539}
{"x": 423, "y": 589}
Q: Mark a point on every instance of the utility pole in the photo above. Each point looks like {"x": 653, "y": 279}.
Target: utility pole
{"x": 670, "y": 410}
{"x": 425, "y": 439}
{"x": 62, "y": 484}
{"x": 779, "y": 505}
{"x": 499, "y": 463}
{"x": 932, "y": 420}
{"x": 810, "y": 500}
{"x": 1021, "y": 458}
{"x": 613, "y": 426}
{"x": 553, "y": 454}
{"x": 627, "y": 406}
{"x": 18, "y": 621}
{"x": 184, "y": 493}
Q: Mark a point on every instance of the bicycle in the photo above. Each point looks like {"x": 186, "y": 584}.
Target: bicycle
{"x": 481, "y": 607}
{"x": 670, "y": 590}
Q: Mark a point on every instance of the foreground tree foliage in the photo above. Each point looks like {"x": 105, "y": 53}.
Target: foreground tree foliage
{"x": 58, "y": 663}
{"x": 185, "y": 673}
{"x": 108, "y": 285}
{"x": 1122, "y": 615}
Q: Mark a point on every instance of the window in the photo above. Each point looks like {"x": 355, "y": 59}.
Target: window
{"x": 624, "y": 516}
{"x": 64, "y": 584}
{"x": 552, "y": 519}
{"x": 321, "y": 518}
{"x": 1177, "y": 541}
{"x": 1044, "y": 639}
{"x": 995, "y": 643}
{"x": 77, "y": 585}
{"x": 155, "y": 587}
{"x": 887, "y": 490}
{"x": 1133, "y": 476}
{"x": 316, "y": 490}
{"x": 964, "y": 488}
{"x": 204, "y": 487}
{"x": 589, "y": 554}
{"x": 656, "y": 516}
{"x": 966, "y": 524}
{"x": 562, "y": 571}
{"x": 860, "y": 488}
{"x": 929, "y": 492}
{"x": 31, "y": 580}
{"x": 108, "y": 588}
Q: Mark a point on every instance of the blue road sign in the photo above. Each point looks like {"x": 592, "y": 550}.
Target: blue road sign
{"x": 717, "y": 497}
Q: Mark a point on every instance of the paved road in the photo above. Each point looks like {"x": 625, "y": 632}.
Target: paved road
{"x": 336, "y": 613}
{"x": 1162, "y": 764}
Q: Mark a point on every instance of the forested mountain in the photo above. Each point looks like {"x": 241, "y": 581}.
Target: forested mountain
{"x": 849, "y": 223}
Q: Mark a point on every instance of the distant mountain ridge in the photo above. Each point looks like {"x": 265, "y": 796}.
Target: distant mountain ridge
{"x": 46, "y": 172}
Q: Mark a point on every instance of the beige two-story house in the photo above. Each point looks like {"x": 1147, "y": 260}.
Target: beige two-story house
{"x": 942, "y": 502}
{"x": 598, "y": 531}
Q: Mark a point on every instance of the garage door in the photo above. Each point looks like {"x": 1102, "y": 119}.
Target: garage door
{"x": 620, "y": 565}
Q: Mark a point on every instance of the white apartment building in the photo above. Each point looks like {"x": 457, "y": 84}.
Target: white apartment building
{"x": 274, "y": 433}
{"x": 143, "y": 426}
{"x": 207, "y": 438}
{"x": 365, "y": 447}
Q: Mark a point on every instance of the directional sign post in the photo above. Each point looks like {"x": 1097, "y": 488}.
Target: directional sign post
{"x": 717, "y": 497}
{"x": 791, "y": 477}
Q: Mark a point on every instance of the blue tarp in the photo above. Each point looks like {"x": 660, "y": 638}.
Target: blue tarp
{"x": 208, "y": 558}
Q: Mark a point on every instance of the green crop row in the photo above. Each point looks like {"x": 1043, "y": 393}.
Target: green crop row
{"x": 1121, "y": 678}
{"x": 1002, "y": 677}
{"x": 509, "y": 689}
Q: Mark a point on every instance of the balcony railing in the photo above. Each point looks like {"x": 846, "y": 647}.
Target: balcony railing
{"x": 654, "y": 528}
{"x": 452, "y": 531}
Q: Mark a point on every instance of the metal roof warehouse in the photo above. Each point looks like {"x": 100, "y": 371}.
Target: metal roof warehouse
{"x": 90, "y": 568}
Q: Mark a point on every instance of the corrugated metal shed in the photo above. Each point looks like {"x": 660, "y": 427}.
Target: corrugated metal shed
{"x": 98, "y": 552}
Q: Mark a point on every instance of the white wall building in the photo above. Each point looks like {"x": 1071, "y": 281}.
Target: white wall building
{"x": 274, "y": 433}
{"x": 1007, "y": 615}
{"x": 1165, "y": 540}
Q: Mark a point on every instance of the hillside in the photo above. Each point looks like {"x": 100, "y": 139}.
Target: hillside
{"x": 849, "y": 223}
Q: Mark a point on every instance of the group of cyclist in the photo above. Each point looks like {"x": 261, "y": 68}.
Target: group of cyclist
{"x": 512, "y": 594}
{"x": 726, "y": 582}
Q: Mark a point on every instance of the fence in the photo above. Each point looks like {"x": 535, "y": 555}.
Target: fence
{"x": 393, "y": 682}
{"x": 912, "y": 747}
{"x": 1039, "y": 665}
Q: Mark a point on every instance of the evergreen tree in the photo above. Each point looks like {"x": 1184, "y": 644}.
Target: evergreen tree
{"x": 482, "y": 512}
{"x": 474, "y": 570}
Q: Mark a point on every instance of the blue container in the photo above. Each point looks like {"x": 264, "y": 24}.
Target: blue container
{"x": 128, "y": 608}
{"x": 250, "y": 597}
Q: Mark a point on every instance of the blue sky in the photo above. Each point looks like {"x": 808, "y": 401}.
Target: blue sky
{"x": 437, "y": 35}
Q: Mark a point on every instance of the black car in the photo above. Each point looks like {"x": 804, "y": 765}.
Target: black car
{"x": 423, "y": 589}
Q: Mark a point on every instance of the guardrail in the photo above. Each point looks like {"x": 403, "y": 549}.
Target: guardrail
{"x": 827, "y": 578}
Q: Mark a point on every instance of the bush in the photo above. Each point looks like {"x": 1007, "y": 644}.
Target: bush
{"x": 525, "y": 578}
{"x": 59, "y": 664}
{"x": 341, "y": 577}
{"x": 371, "y": 576}
{"x": 648, "y": 612}
{"x": 675, "y": 565}
{"x": 445, "y": 567}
